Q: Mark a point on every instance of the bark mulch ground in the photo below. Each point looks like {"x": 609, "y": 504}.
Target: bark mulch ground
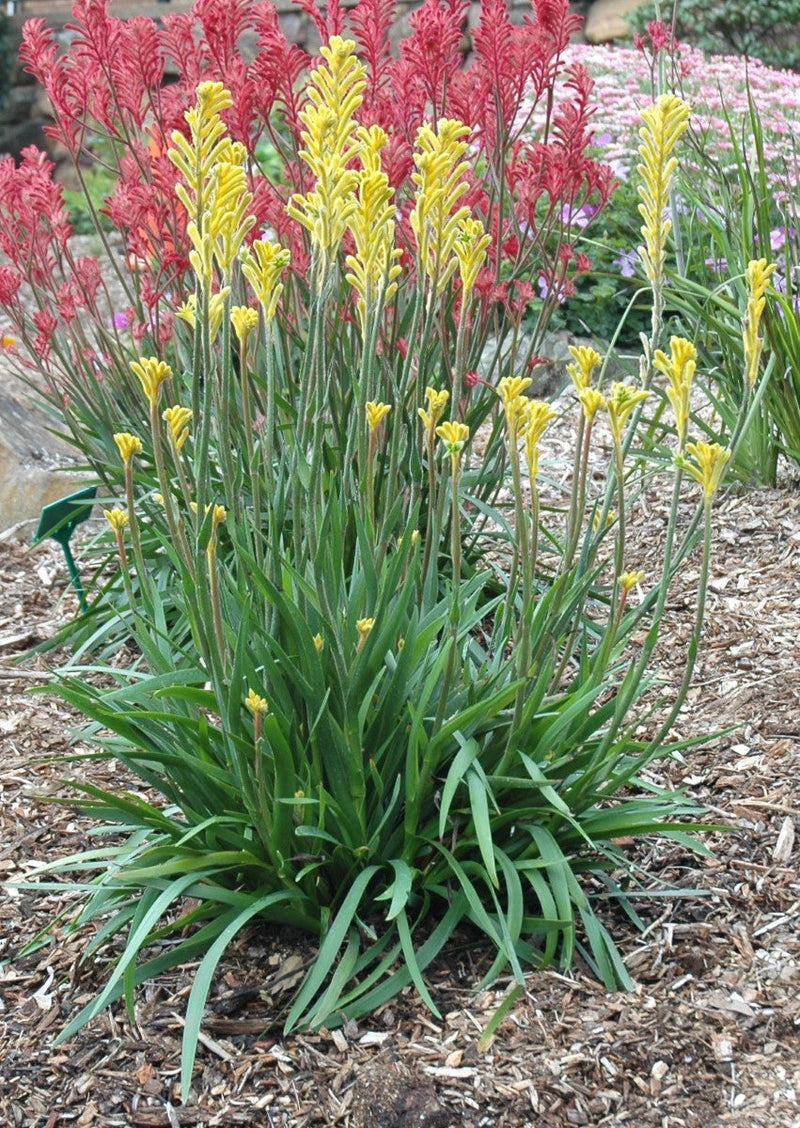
{"x": 710, "y": 1035}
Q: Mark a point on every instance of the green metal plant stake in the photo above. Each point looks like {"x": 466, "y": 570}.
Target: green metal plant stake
{"x": 59, "y": 521}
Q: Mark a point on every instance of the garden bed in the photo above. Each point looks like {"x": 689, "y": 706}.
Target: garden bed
{"x": 709, "y": 1037}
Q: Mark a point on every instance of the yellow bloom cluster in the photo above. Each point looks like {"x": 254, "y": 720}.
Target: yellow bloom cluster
{"x": 629, "y": 580}
{"x": 374, "y": 268}
{"x": 244, "y": 320}
{"x": 215, "y": 192}
{"x": 620, "y": 402}
{"x": 263, "y": 262}
{"x": 664, "y": 124}
{"x": 196, "y": 155}
{"x": 708, "y": 467}
{"x": 526, "y": 418}
{"x": 435, "y": 219}
{"x": 471, "y": 244}
{"x": 376, "y": 413}
{"x": 679, "y": 368}
{"x": 216, "y": 307}
{"x": 229, "y": 219}
{"x": 536, "y": 417}
{"x": 758, "y": 279}
{"x": 592, "y": 401}
{"x": 256, "y": 704}
{"x": 454, "y": 436}
{"x": 117, "y": 518}
{"x": 585, "y": 361}
{"x": 152, "y": 373}
{"x": 178, "y": 420}
{"x": 511, "y": 390}
{"x": 218, "y": 513}
{"x": 331, "y": 144}
{"x": 128, "y": 445}
{"x": 437, "y": 401}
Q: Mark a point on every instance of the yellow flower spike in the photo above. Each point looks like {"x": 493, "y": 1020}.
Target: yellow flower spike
{"x": 178, "y": 420}
{"x": 201, "y": 256}
{"x": 218, "y": 515}
{"x": 117, "y": 518}
{"x": 709, "y": 466}
{"x": 435, "y": 218}
{"x": 664, "y": 124}
{"x": 592, "y": 401}
{"x": 629, "y": 580}
{"x": 758, "y": 281}
{"x": 471, "y": 243}
{"x": 679, "y": 368}
{"x": 515, "y": 410}
{"x": 330, "y": 143}
{"x": 128, "y": 445}
{"x": 263, "y": 262}
{"x": 256, "y": 704}
{"x": 228, "y": 219}
{"x": 374, "y": 268}
{"x": 454, "y": 436}
{"x": 216, "y": 308}
{"x": 536, "y": 418}
{"x": 196, "y": 155}
{"x": 319, "y": 643}
{"x": 244, "y": 320}
{"x": 376, "y": 413}
{"x": 152, "y": 373}
{"x": 437, "y": 401}
{"x": 196, "y": 158}
{"x": 586, "y": 360}
{"x": 511, "y": 387}
{"x": 620, "y": 402}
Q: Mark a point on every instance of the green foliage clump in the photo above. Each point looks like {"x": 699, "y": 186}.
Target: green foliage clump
{"x": 770, "y": 32}
{"x": 608, "y": 302}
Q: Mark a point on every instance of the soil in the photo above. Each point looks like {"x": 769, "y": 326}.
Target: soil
{"x": 709, "y": 1036}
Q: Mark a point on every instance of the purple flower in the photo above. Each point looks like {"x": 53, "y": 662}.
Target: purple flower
{"x": 123, "y": 319}
{"x": 580, "y": 217}
{"x": 627, "y": 261}
{"x": 779, "y": 235}
{"x": 717, "y": 265}
{"x": 544, "y": 290}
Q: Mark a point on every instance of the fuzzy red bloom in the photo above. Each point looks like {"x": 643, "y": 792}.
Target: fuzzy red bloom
{"x": 10, "y": 282}
{"x": 47, "y": 324}
{"x": 433, "y": 51}
{"x": 371, "y": 21}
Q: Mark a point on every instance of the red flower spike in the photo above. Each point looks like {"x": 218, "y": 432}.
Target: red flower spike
{"x": 434, "y": 48}
{"x": 371, "y": 22}
{"x": 10, "y": 282}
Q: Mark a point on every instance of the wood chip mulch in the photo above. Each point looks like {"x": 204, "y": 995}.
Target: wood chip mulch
{"x": 710, "y": 1035}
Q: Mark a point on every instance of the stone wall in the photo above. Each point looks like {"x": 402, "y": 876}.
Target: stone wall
{"x": 25, "y": 110}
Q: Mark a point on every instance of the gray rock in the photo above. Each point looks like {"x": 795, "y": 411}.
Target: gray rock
{"x": 36, "y": 468}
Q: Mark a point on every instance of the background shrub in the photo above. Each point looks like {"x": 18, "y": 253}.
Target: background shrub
{"x": 765, "y": 31}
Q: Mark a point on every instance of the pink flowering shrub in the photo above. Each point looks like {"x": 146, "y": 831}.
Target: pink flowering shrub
{"x": 716, "y": 87}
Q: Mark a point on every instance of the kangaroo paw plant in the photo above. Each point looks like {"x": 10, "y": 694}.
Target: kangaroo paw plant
{"x": 369, "y": 698}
